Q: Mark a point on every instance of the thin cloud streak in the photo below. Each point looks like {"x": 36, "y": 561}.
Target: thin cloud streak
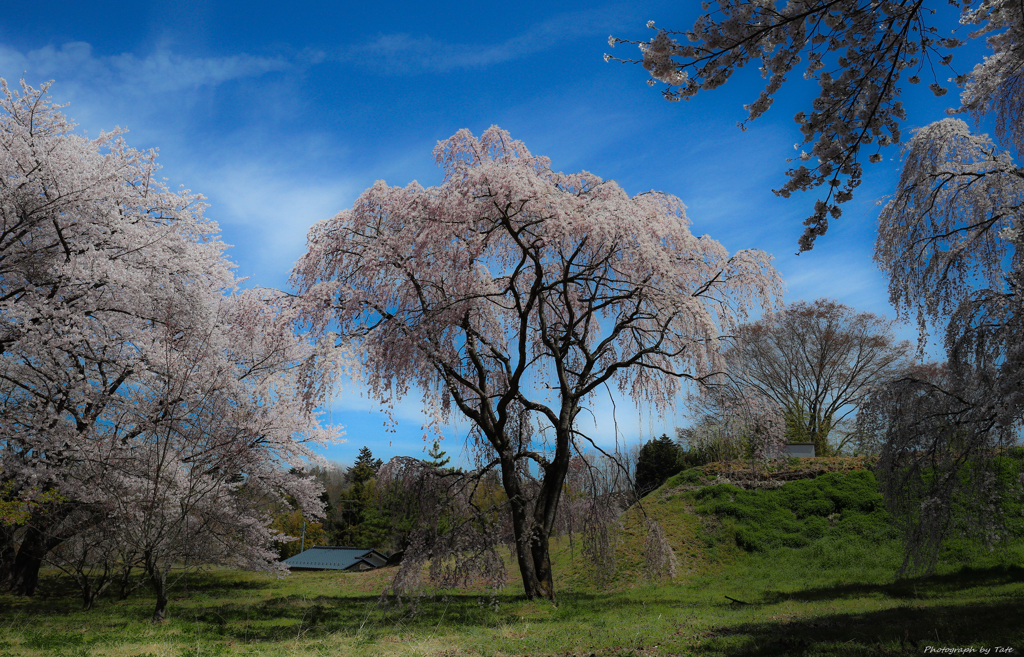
{"x": 400, "y": 54}
{"x": 161, "y": 72}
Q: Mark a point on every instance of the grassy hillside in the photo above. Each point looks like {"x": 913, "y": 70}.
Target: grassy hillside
{"x": 812, "y": 562}
{"x": 819, "y": 515}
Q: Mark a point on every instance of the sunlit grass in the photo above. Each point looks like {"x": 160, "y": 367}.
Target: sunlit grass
{"x": 834, "y": 595}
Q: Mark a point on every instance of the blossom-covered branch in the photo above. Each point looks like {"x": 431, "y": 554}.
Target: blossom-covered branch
{"x": 861, "y": 54}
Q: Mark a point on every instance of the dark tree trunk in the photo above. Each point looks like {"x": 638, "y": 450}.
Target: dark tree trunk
{"x": 545, "y": 584}
{"x": 43, "y": 533}
{"x": 535, "y": 566}
{"x": 523, "y": 531}
{"x": 24, "y": 574}
{"x": 8, "y": 552}
{"x": 92, "y": 582}
{"x": 88, "y": 597}
{"x": 90, "y": 593}
{"x": 532, "y": 550}
{"x": 126, "y": 585}
{"x": 159, "y": 580}
{"x": 532, "y": 527}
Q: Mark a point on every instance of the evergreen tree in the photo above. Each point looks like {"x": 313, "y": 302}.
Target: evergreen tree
{"x": 365, "y": 467}
{"x": 358, "y": 520}
{"x": 660, "y": 458}
{"x": 438, "y": 457}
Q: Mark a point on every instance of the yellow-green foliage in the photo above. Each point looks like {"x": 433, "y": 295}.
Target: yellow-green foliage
{"x": 16, "y": 506}
{"x": 291, "y": 524}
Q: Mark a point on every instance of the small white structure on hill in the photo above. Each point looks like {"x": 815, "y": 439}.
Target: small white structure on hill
{"x": 801, "y": 450}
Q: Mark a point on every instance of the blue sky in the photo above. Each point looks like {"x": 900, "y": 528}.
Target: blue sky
{"x": 282, "y": 115}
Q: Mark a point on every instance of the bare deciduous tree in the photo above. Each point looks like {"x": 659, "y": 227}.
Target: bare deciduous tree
{"x": 816, "y": 362}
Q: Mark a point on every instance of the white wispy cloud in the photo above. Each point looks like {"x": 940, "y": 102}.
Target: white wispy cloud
{"x": 399, "y": 54}
{"x": 264, "y": 192}
{"x": 272, "y": 212}
{"x": 161, "y": 71}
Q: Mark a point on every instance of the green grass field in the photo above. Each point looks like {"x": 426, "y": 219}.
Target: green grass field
{"x": 814, "y": 562}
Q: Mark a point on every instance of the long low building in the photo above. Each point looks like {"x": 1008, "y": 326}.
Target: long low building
{"x": 328, "y": 557}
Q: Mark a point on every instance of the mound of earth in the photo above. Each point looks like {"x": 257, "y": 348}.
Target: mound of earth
{"x": 745, "y": 474}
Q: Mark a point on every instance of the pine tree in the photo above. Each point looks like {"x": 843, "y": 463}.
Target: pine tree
{"x": 438, "y": 457}
{"x": 358, "y": 521}
{"x": 660, "y": 458}
{"x": 365, "y": 467}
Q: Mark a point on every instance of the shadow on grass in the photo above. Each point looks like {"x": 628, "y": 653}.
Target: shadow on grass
{"x": 57, "y": 594}
{"x": 286, "y": 617}
{"x": 53, "y": 587}
{"x": 913, "y": 588}
{"x": 215, "y": 581}
{"x": 324, "y": 612}
{"x": 904, "y": 630}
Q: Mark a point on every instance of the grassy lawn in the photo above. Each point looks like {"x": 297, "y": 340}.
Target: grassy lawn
{"x": 804, "y": 590}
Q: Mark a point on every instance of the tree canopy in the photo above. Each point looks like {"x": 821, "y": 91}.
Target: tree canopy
{"x": 816, "y": 362}
{"x": 138, "y": 388}
{"x": 861, "y": 53}
{"x": 514, "y": 292}
{"x": 659, "y": 459}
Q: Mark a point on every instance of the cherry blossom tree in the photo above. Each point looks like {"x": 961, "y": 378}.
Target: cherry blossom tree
{"x": 136, "y": 382}
{"x": 734, "y": 422}
{"x": 940, "y": 436}
{"x": 950, "y": 240}
{"x": 707, "y": 440}
{"x": 91, "y": 559}
{"x": 861, "y": 54}
{"x": 448, "y": 523}
{"x": 515, "y": 293}
{"x": 194, "y": 491}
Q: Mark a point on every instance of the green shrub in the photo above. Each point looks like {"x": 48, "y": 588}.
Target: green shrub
{"x": 751, "y": 540}
{"x": 877, "y": 525}
{"x": 815, "y": 527}
{"x": 834, "y": 492}
{"x": 719, "y": 492}
{"x": 846, "y": 506}
{"x": 689, "y": 477}
{"x": 815, "y": 508}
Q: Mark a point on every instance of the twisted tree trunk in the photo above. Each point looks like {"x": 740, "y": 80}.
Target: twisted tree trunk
{"x": 24, "y": 573}
{"x": 158, "y": 578}
{"x": 532, "y": 524}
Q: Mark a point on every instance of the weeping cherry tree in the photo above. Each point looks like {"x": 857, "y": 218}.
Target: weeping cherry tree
{"x": 513, "y": 293}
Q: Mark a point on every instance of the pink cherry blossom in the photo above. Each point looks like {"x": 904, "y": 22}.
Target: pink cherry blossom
{"x": 136, "y": 381}
{"x": 858, "y": 52}
{"x": 515, "y": 293}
